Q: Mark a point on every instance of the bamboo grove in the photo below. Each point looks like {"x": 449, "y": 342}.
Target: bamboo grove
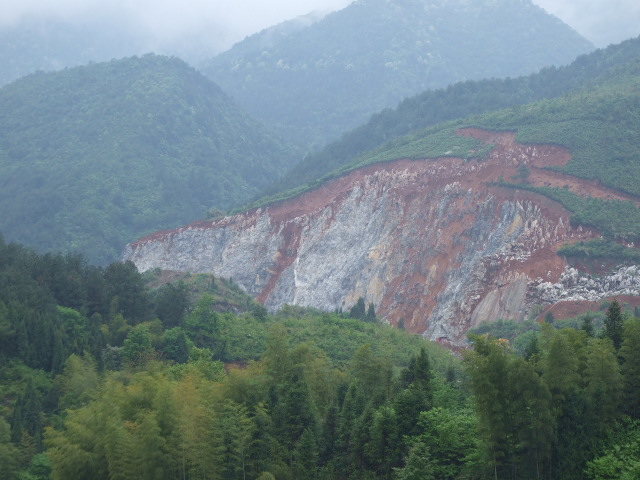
{"x": 101, "y": 378}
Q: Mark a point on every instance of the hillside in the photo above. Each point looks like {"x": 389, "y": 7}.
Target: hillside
{"x": 315, "y": 83}
{"x": 93, "y": 156}
{"x": 452, "y": 225}
{"x": 101, "y": 378}
{"x": 457, "y": 101}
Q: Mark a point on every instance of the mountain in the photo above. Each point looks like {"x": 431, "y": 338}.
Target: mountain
{"x": 93, "y": 156}
{"x": 488, "y": 217}
{"x": 315, "y": 83}
{"x": 455, "y": 101}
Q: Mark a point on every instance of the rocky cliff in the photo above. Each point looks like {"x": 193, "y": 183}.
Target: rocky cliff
{"x": 432, "y": 243}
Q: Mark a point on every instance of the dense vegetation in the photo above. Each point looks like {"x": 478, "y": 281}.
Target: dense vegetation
{"x": 457, "y": 101}
{"x": 96, "y": 156}
{"x": 317, "y": 82}
{"x": 102, "y": 378}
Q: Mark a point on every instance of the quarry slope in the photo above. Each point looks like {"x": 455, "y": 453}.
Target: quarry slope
{"x": 434, "y": 244}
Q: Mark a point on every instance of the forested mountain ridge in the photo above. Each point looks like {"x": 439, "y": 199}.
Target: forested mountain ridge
{"x": 93, "y": 156}
{"x": 449, "y": 226}
{"x": 457, "y": 101}
{"x": 318, "y": 82}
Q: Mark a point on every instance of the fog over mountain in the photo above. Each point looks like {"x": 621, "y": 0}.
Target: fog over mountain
{"x": 217, "y": 24}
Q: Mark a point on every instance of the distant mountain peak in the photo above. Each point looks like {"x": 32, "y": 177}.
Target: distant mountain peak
{"x": 316, "y": 82}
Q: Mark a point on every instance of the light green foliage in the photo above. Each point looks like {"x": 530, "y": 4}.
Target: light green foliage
{"x": 419, "y": 464}
{"x": 8, "y": 452}
{"x": 137, "y": 349}
{"x": 621, "y": 461}
{"x": 442, "y": 448}
{"x": 78, "y": 382}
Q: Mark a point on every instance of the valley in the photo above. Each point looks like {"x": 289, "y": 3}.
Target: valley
{"x": 367, "y": 244}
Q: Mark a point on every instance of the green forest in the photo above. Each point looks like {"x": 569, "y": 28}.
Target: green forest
{"x": 93, "y": 157}
{"x": 109, "y": 374}
{"x": 456, "y": 101}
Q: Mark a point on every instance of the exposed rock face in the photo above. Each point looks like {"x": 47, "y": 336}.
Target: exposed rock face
{"x": 576, "y": 286}
{"x": 429, "y": 242}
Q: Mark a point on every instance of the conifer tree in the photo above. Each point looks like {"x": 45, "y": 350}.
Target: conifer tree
{"x": 371, "y": 314}
{"x": 613, "y": 324}
{"x": 359, "y": 310}
{"x": 630, "y": 354}
{"x": 604, "y": 382}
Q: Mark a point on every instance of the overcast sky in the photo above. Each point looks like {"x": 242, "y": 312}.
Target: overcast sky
{"x": 228, "y": 21}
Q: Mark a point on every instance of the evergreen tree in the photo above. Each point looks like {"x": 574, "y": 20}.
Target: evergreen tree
{"x": 371, "y": 314}
{"x": 383, "y": 450}
{"x": 587, "y": 325}
{"x": 306, "y": 456}
{"x": 447, "y": 438}
{"x": 604, "y": 382}
{"x": 419, "y": 464}
{"x": 613, "y": 324}
{"x": 630, "y": 354}
{"x": 514, "y": 409}
{"x": 359, "y": 310}
{"x": 27, "y": 417}
{"x": 124, "y": 282}
{"x": 237, "y": 432}
{"x": 171, "y": 302}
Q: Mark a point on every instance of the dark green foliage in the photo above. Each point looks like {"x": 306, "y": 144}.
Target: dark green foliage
{"x": 202, "y": 325}
{"x": 613, "y": 324}
{"x": 601, "y": 249}
{"x": 630, "y": 355}
{"x": 94, "y": 157}
{"x": 395, "y": 407}
{"x": 621, "y": 459}
{"x": 587, "y": 325}
{"x": 371, "y": 313}
{"x": 171, "y": 302}
{"x": 175, "y": 346}
{"x": 514, "y": 410}
{"x": 125, "y": 285}
{"x": 358, "y": 311}
{"x": 306, "y": 457}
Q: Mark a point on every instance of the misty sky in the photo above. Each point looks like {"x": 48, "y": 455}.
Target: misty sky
{"x": 225, "y": 22}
